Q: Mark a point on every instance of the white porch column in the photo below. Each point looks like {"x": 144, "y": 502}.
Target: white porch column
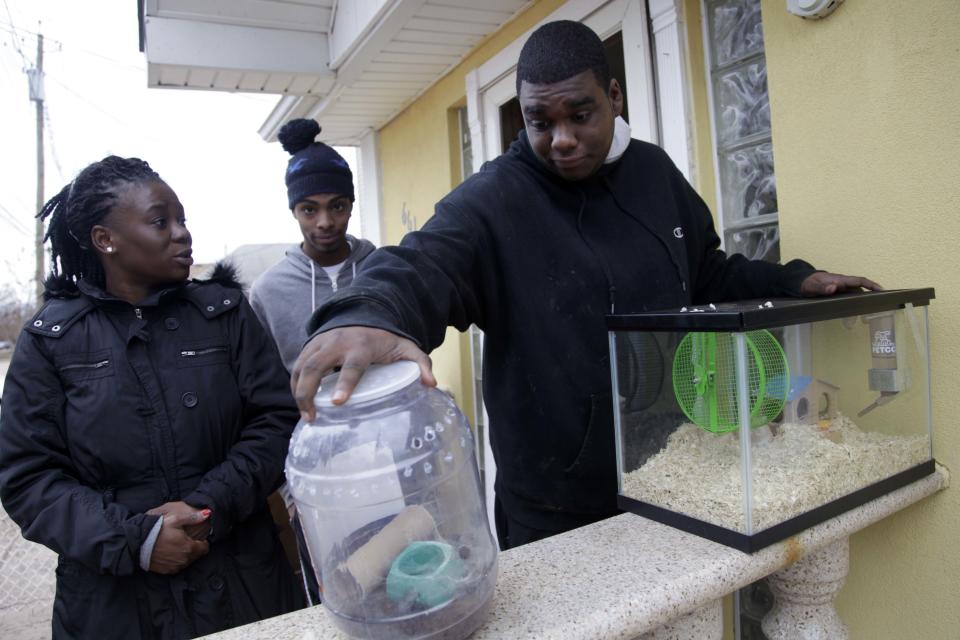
{"x": 370, "y": 189}
{"x": 804, "y": 592}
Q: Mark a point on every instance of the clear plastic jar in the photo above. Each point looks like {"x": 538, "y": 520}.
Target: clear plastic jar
{"x": 390, "y": 501}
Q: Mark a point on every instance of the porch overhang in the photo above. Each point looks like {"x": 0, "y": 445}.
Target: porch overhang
{"x": 259, "y": 46}
{"x": 352, "y": 66}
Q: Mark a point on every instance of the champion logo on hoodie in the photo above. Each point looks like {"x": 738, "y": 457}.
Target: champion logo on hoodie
{"x": 678, "y": 232}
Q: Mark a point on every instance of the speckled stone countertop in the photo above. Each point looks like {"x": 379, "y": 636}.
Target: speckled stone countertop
{"x": 618, "y": 578}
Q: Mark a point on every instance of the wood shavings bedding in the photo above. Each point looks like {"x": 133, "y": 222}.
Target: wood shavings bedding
{"x": 802, "y": 467}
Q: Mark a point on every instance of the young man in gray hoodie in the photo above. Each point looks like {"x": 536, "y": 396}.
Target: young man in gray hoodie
{"x": 320, "y": 195}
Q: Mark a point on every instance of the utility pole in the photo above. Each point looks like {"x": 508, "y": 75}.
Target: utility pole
{"x": 35, "y": 77}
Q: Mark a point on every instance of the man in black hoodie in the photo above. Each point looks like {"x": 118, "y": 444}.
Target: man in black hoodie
{"x": 574, "y": 221}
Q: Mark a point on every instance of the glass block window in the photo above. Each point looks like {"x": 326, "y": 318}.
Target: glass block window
{"x": 741, "y": 108}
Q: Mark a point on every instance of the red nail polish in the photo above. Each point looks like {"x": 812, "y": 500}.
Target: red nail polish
{"x": 205, "y": 513}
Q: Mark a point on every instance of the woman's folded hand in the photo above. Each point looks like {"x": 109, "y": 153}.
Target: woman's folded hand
{"x": 176, "y": 548}
{"x": 196, "y": 522}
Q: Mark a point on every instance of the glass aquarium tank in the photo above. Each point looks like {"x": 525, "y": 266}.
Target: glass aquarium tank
{"x": 746, "y": 423}
{"x": 389, "y": 498}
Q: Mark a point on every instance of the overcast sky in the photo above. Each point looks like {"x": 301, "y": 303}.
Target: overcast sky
{"x": 203, "y": 143}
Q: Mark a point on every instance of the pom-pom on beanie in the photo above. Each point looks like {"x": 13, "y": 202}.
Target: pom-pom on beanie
{"x": 314, "y": 167}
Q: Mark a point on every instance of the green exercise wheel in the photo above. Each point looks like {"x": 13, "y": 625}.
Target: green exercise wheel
{"x": 705, "y": 379}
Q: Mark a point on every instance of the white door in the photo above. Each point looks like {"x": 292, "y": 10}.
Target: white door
{"x": 492, "y": 100}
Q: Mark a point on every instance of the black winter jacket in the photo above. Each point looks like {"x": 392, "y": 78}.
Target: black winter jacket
{"x": 536, "y": 262}
{"x": 109, "y": 411}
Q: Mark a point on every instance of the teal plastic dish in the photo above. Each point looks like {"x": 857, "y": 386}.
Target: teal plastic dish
{"x": 428, "y": 570}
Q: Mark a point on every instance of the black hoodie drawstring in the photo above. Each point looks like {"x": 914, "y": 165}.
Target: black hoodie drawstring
{"x": 611, "y": 288}
{"x": 642, "y": 223}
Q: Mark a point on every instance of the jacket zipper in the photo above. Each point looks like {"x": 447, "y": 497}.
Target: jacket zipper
{"x": 86, "y": 365}
{"x": 137, "y": 312}
{"x": 201, "y": 352}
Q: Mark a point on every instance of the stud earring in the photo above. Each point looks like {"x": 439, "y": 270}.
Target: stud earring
{"x": 109, "y": 249}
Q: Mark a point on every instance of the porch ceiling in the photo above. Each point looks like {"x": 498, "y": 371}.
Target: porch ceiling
{"x": 350, "y": 64}
{"x": 258, "y": 46}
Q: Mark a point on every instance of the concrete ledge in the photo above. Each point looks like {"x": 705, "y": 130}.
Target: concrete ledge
{"x": 620, "y": 578}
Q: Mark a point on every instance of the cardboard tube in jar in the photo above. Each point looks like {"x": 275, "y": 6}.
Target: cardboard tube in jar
{"x": 370, "y": 564}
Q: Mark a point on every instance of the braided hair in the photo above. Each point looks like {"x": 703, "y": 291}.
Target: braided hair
{"x": 80, "y": 206}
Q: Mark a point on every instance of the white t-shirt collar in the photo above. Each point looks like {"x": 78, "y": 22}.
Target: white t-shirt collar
{"x": 621, "y": 140}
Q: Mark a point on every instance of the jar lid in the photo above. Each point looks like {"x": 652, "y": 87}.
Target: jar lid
{"x": 377, "y": 381}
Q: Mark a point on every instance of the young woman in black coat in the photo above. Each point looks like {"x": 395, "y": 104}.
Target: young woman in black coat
{"x": 145, "y": 421}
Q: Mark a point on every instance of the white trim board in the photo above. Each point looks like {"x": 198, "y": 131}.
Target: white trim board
{"x": 371, "y": 194}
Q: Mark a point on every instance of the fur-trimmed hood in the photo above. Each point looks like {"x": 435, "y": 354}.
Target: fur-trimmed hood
{"x": 224, "y": 273}
{"x": 59, "y": 286}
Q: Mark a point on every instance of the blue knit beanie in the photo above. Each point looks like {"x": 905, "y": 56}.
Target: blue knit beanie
{"x": 314, "y": 167}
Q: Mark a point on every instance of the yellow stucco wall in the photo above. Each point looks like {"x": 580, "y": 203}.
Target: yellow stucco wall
{"x": 866, "y": 132}
{"x": 419, "y": 167}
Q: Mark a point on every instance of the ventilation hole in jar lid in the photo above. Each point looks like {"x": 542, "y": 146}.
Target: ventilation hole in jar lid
{"x": 439, "y": 427}
{"x": 408, "y": 472}
{"x": 427, "y": 467}
{"x": 416, "y": 443}
{"x": 429, "y": 434}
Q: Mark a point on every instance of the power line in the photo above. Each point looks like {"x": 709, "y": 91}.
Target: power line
{"x": 35, "y": 80}
{"x": 136, "y": 130}
{"x": 121, "y": 63}
{"x": 10, "y": 222}
{"x": 15, "y": 29}
{"x": 7, "y": 216}
{"x": 15, "y": 44}
{"x": 132, "y": 67}
{"x": 26, "y": 31}
{"x": 12, "y": 218}
{"x": 10, "y": 28}
{"x": 92, "y": 104}
{"x": 8, "y": 64}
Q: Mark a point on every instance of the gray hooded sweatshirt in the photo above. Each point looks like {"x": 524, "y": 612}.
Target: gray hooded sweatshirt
{"x": 286, "y": 294}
